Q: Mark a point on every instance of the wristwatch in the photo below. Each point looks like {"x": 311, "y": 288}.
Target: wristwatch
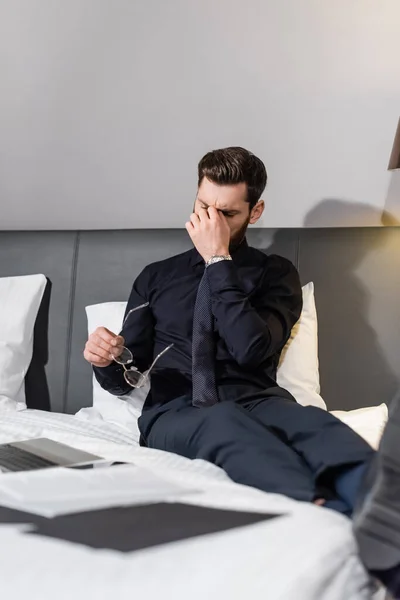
{"x": 218, "y": 258}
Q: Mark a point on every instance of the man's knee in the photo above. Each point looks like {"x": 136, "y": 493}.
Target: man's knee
{"x": 225, "y": 421}
{"x": 189, "y": 431}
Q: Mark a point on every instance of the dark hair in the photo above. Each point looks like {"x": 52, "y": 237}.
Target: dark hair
{"x": 235, "y": 165}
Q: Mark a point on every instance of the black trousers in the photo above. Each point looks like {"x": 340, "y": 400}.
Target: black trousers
{"x": 272, "y": 444}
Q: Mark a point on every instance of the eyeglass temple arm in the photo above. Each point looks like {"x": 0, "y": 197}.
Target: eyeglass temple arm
{"x": 157, "y": 357}
{"x": 134, "y": 310}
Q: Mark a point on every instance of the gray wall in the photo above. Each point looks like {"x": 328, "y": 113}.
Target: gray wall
{"x": 106, "y": 106}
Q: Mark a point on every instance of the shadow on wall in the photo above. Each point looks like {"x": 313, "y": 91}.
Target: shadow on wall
{"x": 357, "y": 279}
{"x": 341, "y": 213}
{"x": 36, "y": 387}
{"x": 356, "y": 272}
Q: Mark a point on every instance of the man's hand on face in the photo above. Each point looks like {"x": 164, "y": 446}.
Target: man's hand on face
{"x": 210, "y": 233}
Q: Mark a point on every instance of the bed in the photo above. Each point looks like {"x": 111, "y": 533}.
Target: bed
{"x": 306, "y": 552}
{"x": 309, "y": 553}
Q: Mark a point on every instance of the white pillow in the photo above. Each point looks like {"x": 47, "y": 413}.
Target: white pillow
{"x": 20, "y": 299}
{"x": 127, "y": 410}
{"x": 298, "y": 368}
{"x": 368, "y": 422}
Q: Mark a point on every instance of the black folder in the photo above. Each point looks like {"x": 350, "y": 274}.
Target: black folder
{"x": 131, "y": 528}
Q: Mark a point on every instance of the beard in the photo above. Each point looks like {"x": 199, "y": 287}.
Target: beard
{"x": 238, "y": 237}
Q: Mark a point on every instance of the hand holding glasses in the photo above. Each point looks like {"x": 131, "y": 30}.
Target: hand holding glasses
{"x": 132, "y": 375}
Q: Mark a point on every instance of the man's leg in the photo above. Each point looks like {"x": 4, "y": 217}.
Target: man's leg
{"x": 377, "y": 519}
{"x": 336, "y": 455}
{"x": 226, "y": 435}
{"x": 375, "y": 489}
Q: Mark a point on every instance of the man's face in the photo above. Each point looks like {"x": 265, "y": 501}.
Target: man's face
{"x": 231, "y": 201}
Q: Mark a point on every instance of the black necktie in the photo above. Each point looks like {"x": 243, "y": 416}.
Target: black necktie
{"x": 203, "y": 349}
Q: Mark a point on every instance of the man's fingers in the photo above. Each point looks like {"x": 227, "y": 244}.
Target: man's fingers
{"x": 105, "y": 334}
{"x": 202, "y": 213}
{"x": 96, "y": 340}
{"x": 96, "y": 360}
{"x": 189, "y": 228}
{"x": 93, "y": 348}
{"x": 102, "y": 346}
{"x": 223, "y": 218}
{"x": 194, "y": 219}
{"x": 213, "y": 213}
{"x": 107, "y": 354}
{"x": 115, "y": 348}
{"x": 117, "y": 351}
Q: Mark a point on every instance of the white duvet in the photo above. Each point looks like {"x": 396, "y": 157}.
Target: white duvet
{"x": 308, "y": 554}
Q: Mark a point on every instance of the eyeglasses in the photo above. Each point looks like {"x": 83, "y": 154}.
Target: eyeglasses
{"x": 132, "y": 375}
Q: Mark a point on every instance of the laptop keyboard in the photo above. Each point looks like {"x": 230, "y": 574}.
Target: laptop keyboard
{"x": 16, "y": 459}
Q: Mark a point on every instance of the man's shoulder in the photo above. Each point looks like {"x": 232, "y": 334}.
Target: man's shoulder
{"x": 270, "y": 261}
{"x": 166, "y": 265}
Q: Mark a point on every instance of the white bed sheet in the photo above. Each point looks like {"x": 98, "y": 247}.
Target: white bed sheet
{"x": 309, "y": 554}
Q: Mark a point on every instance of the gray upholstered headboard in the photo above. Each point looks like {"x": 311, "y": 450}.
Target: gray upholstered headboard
{"x": 357, "y": 283}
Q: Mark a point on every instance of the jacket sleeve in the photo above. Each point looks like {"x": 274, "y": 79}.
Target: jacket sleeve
{"x": 138, "y": 332}
{"x": 255, "y": 328}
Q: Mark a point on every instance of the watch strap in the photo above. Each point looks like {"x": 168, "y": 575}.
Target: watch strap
{"x": 218, "y": 258}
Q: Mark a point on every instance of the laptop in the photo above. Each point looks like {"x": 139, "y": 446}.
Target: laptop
{"x": 42, "y": 453}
